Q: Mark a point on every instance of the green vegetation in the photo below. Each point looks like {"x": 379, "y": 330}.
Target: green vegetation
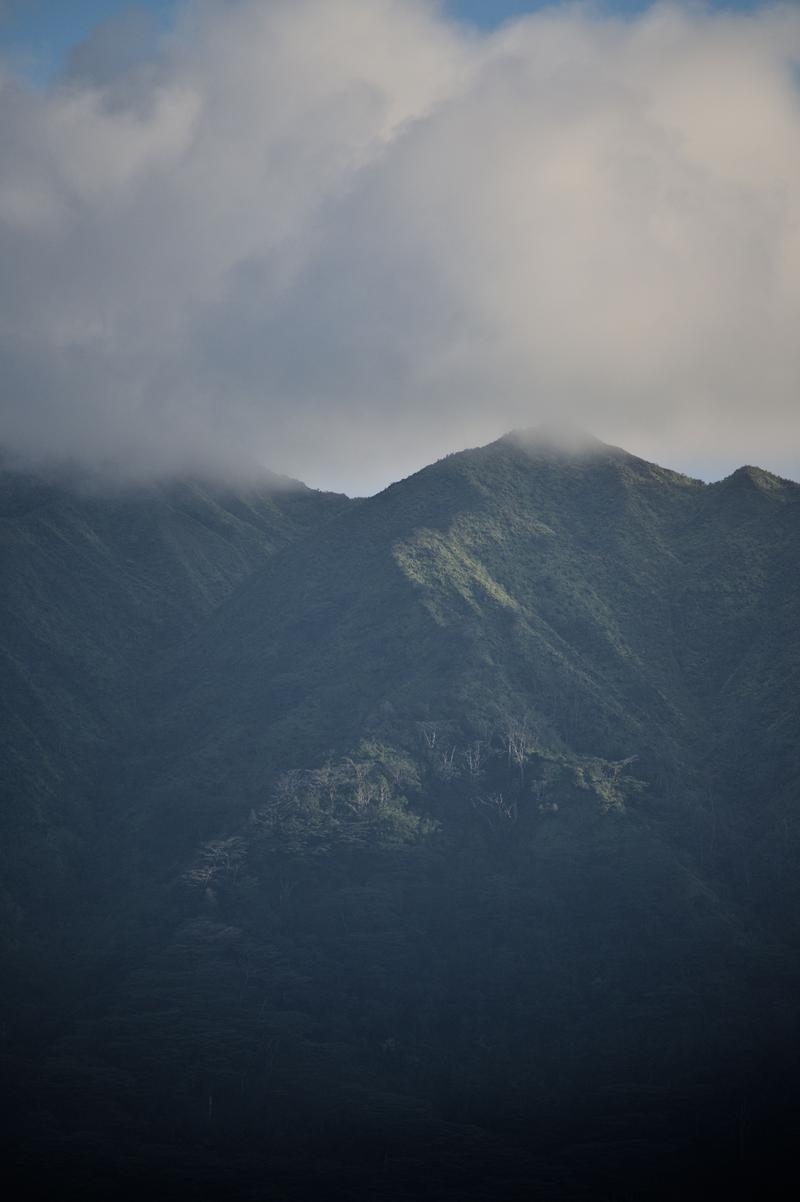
{"x": 95, "y": 589}
{"x": 441, "y": 845}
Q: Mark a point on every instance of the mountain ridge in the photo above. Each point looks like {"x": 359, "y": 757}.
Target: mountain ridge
{"x": 416, "y": 555}
{"x": 453, "y": 828}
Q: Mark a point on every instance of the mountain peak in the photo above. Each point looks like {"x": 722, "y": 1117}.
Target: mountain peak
{"x": 750, "y": 477}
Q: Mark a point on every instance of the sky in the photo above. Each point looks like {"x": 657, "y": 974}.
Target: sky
{"x": 39, "y": 34}
{"x": 341, "y": 238}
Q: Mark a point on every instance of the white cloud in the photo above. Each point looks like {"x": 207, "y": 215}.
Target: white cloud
{"x": 346, "y": 236}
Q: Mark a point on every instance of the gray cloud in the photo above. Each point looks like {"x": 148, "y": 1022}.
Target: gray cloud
{"x": 344, "y": 238}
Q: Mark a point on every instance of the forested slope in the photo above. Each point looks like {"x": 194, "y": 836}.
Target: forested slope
{"x": 453, "y": 854}
{"x": 609, "y": 604}
{"x": 97, "y": 584}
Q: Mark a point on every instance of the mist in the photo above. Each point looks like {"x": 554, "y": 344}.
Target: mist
{"x": 340, "y": 240}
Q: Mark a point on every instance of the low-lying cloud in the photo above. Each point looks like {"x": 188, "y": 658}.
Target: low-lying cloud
{"x": 342, "y": 237}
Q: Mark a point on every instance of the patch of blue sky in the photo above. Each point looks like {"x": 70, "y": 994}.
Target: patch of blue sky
{"x": 490, "y": 13}
{"x": 36, "y": 36}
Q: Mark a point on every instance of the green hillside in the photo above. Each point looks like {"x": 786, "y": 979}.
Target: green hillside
{"x": 448, "y": 852}
{"x": 96, "y": 587}
{"x": 605, "y": 602}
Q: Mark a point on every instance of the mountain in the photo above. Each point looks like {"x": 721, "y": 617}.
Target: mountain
{"x": 97, "y": 584}
{"x": 438, "y": 845}
{"x": 617, "y": 608}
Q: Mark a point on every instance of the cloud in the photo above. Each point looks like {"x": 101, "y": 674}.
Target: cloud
{"x": 343, "y": 238}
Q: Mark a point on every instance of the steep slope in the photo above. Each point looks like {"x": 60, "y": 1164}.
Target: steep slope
{"x": 604, "y": 600}
{"x": 453, "y": 855}
{"x": 96, "y": 586}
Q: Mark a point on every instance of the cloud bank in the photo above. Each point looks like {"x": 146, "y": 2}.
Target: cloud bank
{"x": 342, "y": 237}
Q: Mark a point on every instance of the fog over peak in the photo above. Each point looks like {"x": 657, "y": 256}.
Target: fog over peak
{"x": 562, "y": 437}
{"x": 342, "y": 238}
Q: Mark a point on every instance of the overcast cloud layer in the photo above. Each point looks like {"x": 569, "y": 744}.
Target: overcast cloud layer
{"x": 344, "y": 237}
